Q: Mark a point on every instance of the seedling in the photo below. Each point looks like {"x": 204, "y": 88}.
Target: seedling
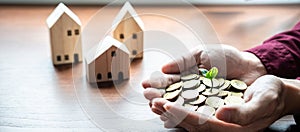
{"x": 211, "y": 74}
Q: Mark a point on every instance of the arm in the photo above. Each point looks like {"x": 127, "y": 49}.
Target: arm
{"x": 292, "y": 87}
{"x": 293, "y": 91}
{"x": 281, "y": 54}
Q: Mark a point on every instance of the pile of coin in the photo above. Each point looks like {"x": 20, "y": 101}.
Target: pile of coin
{"x": 197, "y": 93}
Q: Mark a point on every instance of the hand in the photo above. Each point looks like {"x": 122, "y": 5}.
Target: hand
{"x": 265, "y": 103}
{"x": 176, "y": 116}
{"x": 240, "y": 65}
{"x": 231, "y": 62}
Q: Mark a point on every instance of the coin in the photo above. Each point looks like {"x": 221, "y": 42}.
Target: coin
{"x": 198, "y": 93}
{"x": 172, "y": 95}
{"x": 190, "y": 95}
{"x": 190, "y": 107}
{"x": 239, "y": 85}
{"x": 191, "y": 84}
{"x": 223, "y": 93}
{"x": 201, "y": 88}
{"x": 201, "y": 78}
{"x": 203, "y": 71}
{"x": 226, "y": 85}
{"x": 214, "y": 102}
{"x": 221, "y": 81}
{"x": 174, "y": 86}
{"x": 189, "y": 77}
{"x": 211, "y": 83}
{"x": 179, "y": 101}
{"x": 238, "y": 94}
{"x": 200, "y": 100}
{"x": 210, "y": 92}
{"x": 232, "y": 100}
{"x": 206, "y": 110}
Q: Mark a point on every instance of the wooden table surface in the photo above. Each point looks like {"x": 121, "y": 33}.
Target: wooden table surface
{"x": 36, "y": 96}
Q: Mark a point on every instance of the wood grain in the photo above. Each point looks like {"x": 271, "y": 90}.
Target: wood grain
{"x": 36, "y": 96}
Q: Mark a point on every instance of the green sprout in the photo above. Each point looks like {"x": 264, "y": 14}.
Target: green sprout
{"x": 211, "y": 74}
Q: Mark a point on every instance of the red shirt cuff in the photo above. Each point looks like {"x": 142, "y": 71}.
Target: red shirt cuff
{"x": 276, "y": 58}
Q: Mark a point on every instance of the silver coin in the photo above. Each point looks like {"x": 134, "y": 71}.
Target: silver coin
{"x": 214, "y": 102}
{"x": 191, "y": 84}
{"x": 211, "y": 83}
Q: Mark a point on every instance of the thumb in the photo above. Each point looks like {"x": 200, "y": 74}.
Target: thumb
{"x": 185, "y": 63}
{"x": 238, "y": 114}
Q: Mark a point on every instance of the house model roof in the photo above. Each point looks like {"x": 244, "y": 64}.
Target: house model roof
{"x": 128, "y": 8}
{"x": 103, "y": 46}
{"x": 58, "y": 12}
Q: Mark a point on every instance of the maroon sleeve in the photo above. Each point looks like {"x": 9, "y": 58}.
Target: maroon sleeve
{"x": 281, "y": 54}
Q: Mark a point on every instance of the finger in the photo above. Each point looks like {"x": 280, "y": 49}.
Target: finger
{"x": 248, "y": 95}
{"x": 193, "y": 121}
{"x": 161, "y": 81}
{"x": 239, "y": 114}
{"x": 146, "y": 84}
{"x": 158, "y": 104}
{"x": 163, "y": 117}
{"x": 171, "y": 124}
{"x": 156, "y": 111}
{"x": 151, "y": 93}
{"x": 186, "y": 62}
{"x": 181, "y": 115}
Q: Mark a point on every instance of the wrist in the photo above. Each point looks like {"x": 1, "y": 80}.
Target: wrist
{"x": 292, "y": 96}
{"x": 253, "y": 64}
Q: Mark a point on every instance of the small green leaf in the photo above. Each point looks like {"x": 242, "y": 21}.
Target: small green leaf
{"x": 212, "y": 73}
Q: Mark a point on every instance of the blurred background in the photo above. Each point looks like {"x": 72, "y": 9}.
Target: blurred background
{"x": 244, "y": 2}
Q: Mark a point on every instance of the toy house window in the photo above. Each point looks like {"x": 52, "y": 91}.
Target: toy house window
{"x": 66, "y": 57}
{"x": 76, "y": 58}
{"x": 99, "y": 76}
{"x": 134, "y": 52}
{"x": 121, "y": 36}
{"x": 134, "y": 36}
{"x": 58, "y": 58}
{"x": 113, "y": 53}
{"x": 69, "y": 32}
{"x": 109, "y": 76}
{"x": 76, "y": 31}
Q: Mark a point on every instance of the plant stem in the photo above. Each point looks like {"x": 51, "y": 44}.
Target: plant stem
{"x": 212, "y": 85}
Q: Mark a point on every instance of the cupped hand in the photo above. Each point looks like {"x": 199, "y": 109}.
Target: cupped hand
{"x": 230, "y": 61}
{"x": 239, "y": 65}
{"x": 174, "y": 115}
{"x": 265, "y": 103}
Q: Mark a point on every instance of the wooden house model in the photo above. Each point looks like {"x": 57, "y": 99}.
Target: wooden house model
{"x": 108, "y": 62}
{"x": 128, "y": 29}
{"x": 65, "y": 36}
